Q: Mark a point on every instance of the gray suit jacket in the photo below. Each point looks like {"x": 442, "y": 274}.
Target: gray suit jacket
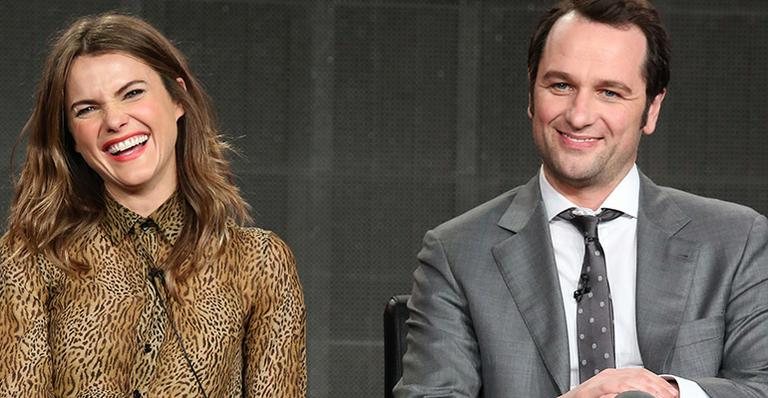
{"x": 487, "y": 316}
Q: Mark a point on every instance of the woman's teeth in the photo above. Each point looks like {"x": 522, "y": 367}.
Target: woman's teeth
{"x": 129, "y": 143}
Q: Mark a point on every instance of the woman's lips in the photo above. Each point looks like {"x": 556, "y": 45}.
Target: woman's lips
{"x": 114, "y": 147}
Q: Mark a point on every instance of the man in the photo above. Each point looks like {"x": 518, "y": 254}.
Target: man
{"x": 498, "y": 300}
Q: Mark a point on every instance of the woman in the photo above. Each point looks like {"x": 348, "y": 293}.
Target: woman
{"x": 126, "y": 271}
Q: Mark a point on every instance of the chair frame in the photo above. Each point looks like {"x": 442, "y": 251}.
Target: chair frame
{"x": 395, "y": 330}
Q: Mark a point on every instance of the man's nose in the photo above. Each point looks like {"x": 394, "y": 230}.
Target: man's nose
{"x": 581, "y": 110}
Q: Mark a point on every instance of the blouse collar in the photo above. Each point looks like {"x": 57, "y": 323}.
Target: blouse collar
{"x": 119, "y": 221}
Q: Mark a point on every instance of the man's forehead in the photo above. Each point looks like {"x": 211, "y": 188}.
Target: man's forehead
{"x": 575, "y": 17}
{"x": 577, "y": 42}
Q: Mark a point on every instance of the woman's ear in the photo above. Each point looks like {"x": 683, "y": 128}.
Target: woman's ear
{"x": 181, "y": 83}
{"x": 180, "y": 109}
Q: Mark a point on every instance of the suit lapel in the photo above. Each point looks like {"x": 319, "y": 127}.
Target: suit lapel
{"x": 527, "y": 265}
{"x": 665, "y": 265}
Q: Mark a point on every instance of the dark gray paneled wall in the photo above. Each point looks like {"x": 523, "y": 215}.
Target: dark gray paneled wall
{"x": 361, "y": 124}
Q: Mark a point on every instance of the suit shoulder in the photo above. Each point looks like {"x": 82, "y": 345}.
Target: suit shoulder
{"x": 712, "y": 219}
{"x": 482, "y": 216}
{"x": 711, "y": 209}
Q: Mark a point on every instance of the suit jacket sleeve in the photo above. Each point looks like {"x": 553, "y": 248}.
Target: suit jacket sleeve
{"x": 25, "y": 361}
{"x": 744, "y": 366}
{"x": 442, "y": 357}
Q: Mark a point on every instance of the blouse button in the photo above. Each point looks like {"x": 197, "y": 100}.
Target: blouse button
{"x": 147, "y": 348}
{"x": 136, "y": 394}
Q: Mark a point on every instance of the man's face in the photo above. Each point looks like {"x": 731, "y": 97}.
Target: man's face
{"x": 589, "y": 99}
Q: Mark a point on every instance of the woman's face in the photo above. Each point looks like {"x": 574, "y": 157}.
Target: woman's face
{"x": 123, "y": 121}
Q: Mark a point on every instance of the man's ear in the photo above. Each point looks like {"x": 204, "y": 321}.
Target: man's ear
{"x": 528, "y": 109}
{"x": 653, "y": 113}
{"x": 530, "y": 98}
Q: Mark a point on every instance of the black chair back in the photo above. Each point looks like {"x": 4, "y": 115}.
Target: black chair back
{"x": 395, "y": 330}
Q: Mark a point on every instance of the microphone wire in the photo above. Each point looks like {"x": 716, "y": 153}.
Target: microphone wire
{"x": 156, "y": 273}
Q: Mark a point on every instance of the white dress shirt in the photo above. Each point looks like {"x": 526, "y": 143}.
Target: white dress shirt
{"x": 619, "y": 240}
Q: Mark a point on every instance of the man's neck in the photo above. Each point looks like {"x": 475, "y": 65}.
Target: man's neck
{"x": 591, "y": 195}
{"x": 588, "y": 197}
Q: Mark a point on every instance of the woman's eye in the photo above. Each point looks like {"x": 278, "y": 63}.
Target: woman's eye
{"x": 84, "y": 110}
{"x": 133, "y": 93}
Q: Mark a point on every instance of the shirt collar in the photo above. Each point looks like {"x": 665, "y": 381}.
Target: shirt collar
{"x": 168, "y": 218}
{"x": 625, "y": 197}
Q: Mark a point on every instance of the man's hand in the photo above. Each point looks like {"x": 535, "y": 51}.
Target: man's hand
{"x": 610, "y": 382}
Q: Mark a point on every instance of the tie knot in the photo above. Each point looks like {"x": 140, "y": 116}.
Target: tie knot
{"x": 587, "y": 224}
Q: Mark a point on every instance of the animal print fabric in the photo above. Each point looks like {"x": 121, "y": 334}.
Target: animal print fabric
{"x": 108, "y": 333}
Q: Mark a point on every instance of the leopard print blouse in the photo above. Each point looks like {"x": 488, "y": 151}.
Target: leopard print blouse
{"x": 238, "y": 330}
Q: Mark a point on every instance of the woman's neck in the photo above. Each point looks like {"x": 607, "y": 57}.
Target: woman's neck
{"x": 143, "y": 203}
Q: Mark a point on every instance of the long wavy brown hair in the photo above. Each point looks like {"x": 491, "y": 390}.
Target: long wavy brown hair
{"x": 59, "y": 198}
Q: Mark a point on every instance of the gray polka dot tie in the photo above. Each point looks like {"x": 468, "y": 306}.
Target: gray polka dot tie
{"x": 594, "y": 310}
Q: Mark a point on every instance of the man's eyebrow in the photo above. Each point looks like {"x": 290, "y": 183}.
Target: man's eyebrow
{"x": 607, "y": 83}
{"x": 555, "y": 75}
{"x": 615, "y": 84}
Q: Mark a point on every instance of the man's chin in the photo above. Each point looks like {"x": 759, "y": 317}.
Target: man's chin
{"x": 577, "y": 178}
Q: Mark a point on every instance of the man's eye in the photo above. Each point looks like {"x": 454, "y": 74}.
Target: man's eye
{"x": 560, "y": 86}
{"x": 611, "y": 94}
